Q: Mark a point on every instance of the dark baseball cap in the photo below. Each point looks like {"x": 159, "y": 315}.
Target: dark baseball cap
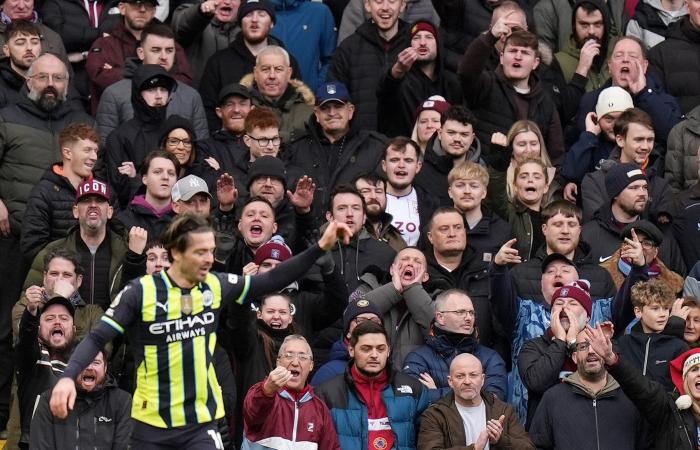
{"x": 552, "y": 257}
{"x": 234, "y": 89}
{"x": 137, "y": 2}
{"x": 58, "y": 300}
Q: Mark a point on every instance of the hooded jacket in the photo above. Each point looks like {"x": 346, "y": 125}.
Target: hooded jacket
{"x": 99, "y": 419}
{"x": 494, "y": 100}
{"x": 140, "y": 213}
{"x": 593, "y": 414}
{"x": 397, "y": 99}
{"x": 355, "y": 258}
{"x": 115, "y": 105}
{"x": 354, "y": 15}
{"x": 442, "y": 426}
{"x": 681, "y": 170}
{"x": 338, "y": 359}
{"x": 678, "y": 61}
{"x": 308, "y": 29}
{"x": 28, "y": 145}
{"x": 135, "y": 138}
{"x": 652, "y": 23}
{"x": 49, "y": 213}
{"x": 441, "y": 347}
{"x": 10, "y": 83}
{"x": 360, "y": 61}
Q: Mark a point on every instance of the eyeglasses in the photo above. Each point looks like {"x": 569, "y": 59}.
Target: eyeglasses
{"x": 264, "y": 142}
{"x": 174, "y": 142}
{"x": 44, "y": 77}
{"x": 647, "y": 244}
{"x": 460, "y": 312}
{"x": 289, "y": 357}
{"x": 359, "y": 320}
{"x": 582, "y": 346}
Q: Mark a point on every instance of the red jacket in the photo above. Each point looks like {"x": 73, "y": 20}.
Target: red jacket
{"x": 287, "y": 420}
{"x": 114, "y": 50}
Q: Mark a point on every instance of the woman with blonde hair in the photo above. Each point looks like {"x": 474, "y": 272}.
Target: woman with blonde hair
{"x": 428, "y": 120}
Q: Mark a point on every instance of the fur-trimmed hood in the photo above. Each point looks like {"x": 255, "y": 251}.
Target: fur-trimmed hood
{"x": 671, "y": 278}
{"x": 298, "y": 85}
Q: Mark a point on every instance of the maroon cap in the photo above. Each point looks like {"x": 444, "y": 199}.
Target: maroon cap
{"x": 93, "y": 187}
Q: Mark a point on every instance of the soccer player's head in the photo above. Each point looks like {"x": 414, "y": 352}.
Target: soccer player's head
{"x": 189, "y": 241}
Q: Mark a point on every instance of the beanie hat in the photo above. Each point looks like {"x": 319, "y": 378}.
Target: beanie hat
{"x": 275, "y": 249}
{"x": 613, "y": 99}
{"x": 248, "y": 6}
{"x": 579, "y": 290}
{"x": 424, "y": 25}
{"x": 357, "y": 307}
{"x": 679, "y": 368}
{"x": 620, "y": 176}
{"x": 433, "y": 103}
{"x": 267, "y": 166}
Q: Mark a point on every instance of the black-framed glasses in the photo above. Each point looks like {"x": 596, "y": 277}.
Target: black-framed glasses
{"x": 174, "y": 142}
{"x": 264, "y": 141}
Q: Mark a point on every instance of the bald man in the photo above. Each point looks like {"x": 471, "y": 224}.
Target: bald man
{"x": 468, "y": 416}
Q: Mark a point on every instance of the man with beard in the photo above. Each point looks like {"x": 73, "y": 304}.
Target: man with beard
{"x": 101, "y": 418}
{"x": 577, "y": 414}
{"x": 410, "y": 205}
{"x": 360, "y": 60}
{"x": 378, "y": 224}
{"x": 453, "y": 144}
{"x": 256, "y": 19}
{"x": 21, "y": 48}
{"x": 627, "y": 188}
{"x": 628, "y": 66}
{"x": 372, "y": 406}
{"x": 29, "y": 131}
{"x": 545, "y": 360}
{"x": 332, "y": 150}
{"x": 451, "y": 333}
{"x": 108, "y": 55}
{"x": 101, "y": 245}
{"x": 157, "y": 46}
{"x": 405, "y": 304}
{"x": 45, "y": 342}
{"x": 417, "y": 74}
{"x": 635, "y": 138}
{"x": 130, "y": 142}
{"x": 24, "y": 11}
{"x": 586, "y": 53}
{"x": 470, "y": 417}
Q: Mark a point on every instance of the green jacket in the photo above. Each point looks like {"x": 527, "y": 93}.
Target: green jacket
{"x": 568, "y": 60}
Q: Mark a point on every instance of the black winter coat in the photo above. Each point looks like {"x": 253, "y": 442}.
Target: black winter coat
{"x": 677, "y": 59}
{"x": 225, "y": 148}
{"x": 357, "y": 152}
{"x": 361, "y": 254}
{"x": 359, "y": 62}
{"x": 494, "y": 101}
{"x": 686, "y": 216}
{"x": 488, "y": 235}
{"x": 675, "y": 429}
{"x": 71, "y": 21}
{"x": 100, "y": 419}
{"x": 138, "y": 215}
{"x": 49, "y": 213}
{"x": 229, "y": 66}
{"x": 10, "y": 83}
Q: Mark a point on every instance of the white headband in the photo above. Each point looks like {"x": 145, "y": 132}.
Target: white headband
{"x": 693, "y": 360}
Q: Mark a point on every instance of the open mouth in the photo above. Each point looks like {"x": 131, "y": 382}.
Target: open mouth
{"x": 276, "y": 324}
{"x": 408, "y": 273}
{"x": 295, "y": 373}
{"x": 401, "y": 173}
{"x": 57, "y": 332}
{"x": 516, "y": 65}
{"x": 256, "y": 230}
{"x": 531, "y": 189}
{"x": 558, "y": 284}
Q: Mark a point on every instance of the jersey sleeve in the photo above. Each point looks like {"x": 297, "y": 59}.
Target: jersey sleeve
{"x": 125, "y": 308}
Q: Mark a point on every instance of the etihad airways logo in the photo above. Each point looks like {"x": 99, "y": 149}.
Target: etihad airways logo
{"x": 183, "y": 328}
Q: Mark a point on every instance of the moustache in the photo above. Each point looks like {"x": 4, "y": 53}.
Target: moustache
{"x": 50, "y": 90}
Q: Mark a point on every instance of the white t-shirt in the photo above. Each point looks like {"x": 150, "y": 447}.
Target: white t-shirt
{"x": 404, "y": 211}
{"x": 474, "y": 420}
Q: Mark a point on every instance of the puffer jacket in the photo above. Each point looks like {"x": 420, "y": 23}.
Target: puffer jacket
{"x": 360, "y": 152}
{"x": 115, "y": 105}
{"x": 115, "y": 50}
{"x": 675, "y": 429}
{"x": 441, "y": 347}
{"x": 294, "y": 107}
{"x": 651, "y": 353}
{"x": 290, "y": 420}
{"x": 493, "y": 100}
{"x": 28, "y": 145}
{"x": 308, "y": 29}
{"x": 678, "y": 61}
{"x": 201, "y": 35}
{"x": 652, "y": 22}
{"x": 442, "y": 426}
{"x": 355, "y": 15}
{"x": 99, "y": 419}
{"x": 585, "y": 156}
{"x": 338, "y": 359}
{"x": 407, "y": 317}
{"x": 525, "y": 318}
{"x": 405, "y": 400}
{"x": 10, "y": 83}
{"x": 593, "y": 413}
{"x": 49, "y": 213}
{"x": 681, "y": 169}
{"x": 359, "y": 62}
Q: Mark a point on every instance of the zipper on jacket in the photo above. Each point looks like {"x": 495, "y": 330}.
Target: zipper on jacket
{"x": 595, "y": 414}
{"x": 92, "y": 277}
{"x": 296, "y": 421}
{"x": 646, "y": 357}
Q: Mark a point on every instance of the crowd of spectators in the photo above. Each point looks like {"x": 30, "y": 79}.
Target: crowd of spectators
{"x": 520, "y": 178}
